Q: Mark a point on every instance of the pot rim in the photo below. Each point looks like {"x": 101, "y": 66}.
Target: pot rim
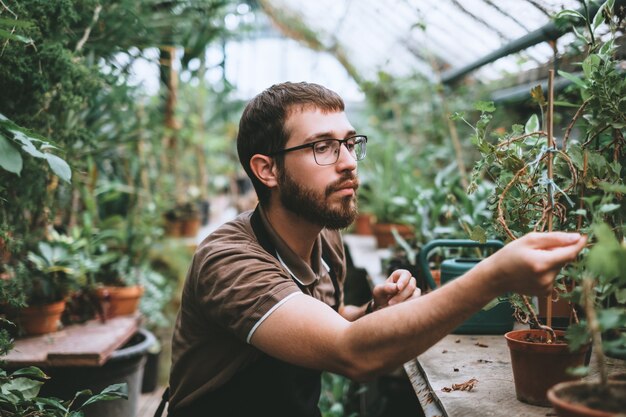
{"x": 553, "y": 397}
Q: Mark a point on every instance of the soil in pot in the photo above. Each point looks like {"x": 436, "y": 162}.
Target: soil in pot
{"x": 538, "y": 365}
{"x": 588, "y": 399}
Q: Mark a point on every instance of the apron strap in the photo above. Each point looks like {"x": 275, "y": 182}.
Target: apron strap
{"x": 164, "y": 399}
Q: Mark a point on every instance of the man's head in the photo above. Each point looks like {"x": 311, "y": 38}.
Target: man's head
{"x": 262, "y": 127}
{"x": 282, "y": 145}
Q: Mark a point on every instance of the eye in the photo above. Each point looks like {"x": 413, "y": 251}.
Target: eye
{"x": 322, "y": 147}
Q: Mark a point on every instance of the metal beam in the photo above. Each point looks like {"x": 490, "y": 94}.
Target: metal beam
{"x": 547, "y": 32}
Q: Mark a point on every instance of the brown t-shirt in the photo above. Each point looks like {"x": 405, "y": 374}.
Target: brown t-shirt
{"x": 234, "y": 284}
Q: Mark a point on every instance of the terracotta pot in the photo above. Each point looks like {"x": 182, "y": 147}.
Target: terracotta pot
{"x": 120, "y": 301}
{"x": 37, "y": 320}
{"x": 538, "y": 366}
{"x": 173, "y": 228}
{"x": 363, "y": 224}
{"x": 568, "y": 399}
{"x": 190, "y": 227}
{"x": 384, "y": 237}
{"x": 436, "y": 273}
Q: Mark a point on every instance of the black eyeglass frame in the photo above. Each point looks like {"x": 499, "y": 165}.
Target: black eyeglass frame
{"x": 312, "y": 145}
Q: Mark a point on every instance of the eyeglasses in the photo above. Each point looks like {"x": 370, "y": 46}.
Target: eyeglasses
{"x": 326, "y": 151}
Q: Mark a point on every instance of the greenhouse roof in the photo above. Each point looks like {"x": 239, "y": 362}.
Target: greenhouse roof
{"x": 431, "y": 37}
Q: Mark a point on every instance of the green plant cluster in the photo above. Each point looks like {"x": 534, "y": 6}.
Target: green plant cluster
{"x": 586, "y": 190}
{"x": 411, "y": 174}
{"x": 19, "y": 396}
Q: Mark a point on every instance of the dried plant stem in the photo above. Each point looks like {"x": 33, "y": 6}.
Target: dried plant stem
{"x": 551, "y": 144}
{"x": 535, "y": 320}
{"x": 594, "y": 327}
{"x": 579, "y": 112}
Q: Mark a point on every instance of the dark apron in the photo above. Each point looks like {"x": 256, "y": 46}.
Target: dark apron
{"x": 268, "y": 387}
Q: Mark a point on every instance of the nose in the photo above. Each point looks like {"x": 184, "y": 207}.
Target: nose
{"x": 346, "y": 160}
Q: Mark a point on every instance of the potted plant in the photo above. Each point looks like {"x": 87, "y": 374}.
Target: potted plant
{"x": 603, "y": 278}
{"x": 572, "y": 184}
{"x": 387, "y": 190}
{"x": 46, "y": 278}
{"x": 183, "y": 220}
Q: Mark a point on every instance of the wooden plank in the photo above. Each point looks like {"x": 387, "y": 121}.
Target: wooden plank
{"x": 88, "y": 344}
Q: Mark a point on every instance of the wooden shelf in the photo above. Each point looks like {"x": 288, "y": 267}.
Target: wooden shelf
{"x": 88, "y": 344}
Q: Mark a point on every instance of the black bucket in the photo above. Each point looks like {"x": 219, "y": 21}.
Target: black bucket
{"x": 126, "y": 364}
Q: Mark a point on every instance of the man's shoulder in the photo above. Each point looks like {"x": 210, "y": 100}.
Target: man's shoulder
{"x": 232, "y": 232}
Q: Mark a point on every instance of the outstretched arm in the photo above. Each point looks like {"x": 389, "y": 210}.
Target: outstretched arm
{"x": 322, "y": 339}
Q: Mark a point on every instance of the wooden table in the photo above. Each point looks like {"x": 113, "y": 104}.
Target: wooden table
{"x": 457, "y": 359}
{"x": 88, "y": 344}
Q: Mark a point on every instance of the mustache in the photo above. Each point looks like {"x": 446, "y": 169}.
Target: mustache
{"x": 347, "y": 181}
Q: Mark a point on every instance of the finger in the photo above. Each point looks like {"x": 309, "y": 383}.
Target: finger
{"x": 559, "y": 256}
{"x": 552, "y": 239}
{"x": 386, "y": 290}
{"x": 397, "y": 275}
{"x": 403, "y": 279}
{"x": 406, "y": 293}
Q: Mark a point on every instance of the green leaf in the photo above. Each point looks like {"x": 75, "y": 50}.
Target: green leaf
{"x": 28, "y": 388}
{"x": 59, "y": 167}
{"x": 491, "y": 304}
{"x": 590, "y": 64}
{"x": 603, "y": 257}
{"x": 577, "y": 336}
{"x": 569, "y": 14}
{"x": 112, "y": 392}
{"x": 478, "y": 234}
{"x": 576, "y": 80}
{"x": 613, "y": 188}
{"x": 532, "y": 125}
{"x": 565, "y": 104}
{"x": 10, "y": 158}
{"x": 14, "y": 37}
{"x": 620, "y": 295}
{"x": 578, "y": 371}
{"x": 52, "y": 403}
{"x": 31, "y": 372}
{"x": 27, "y": 143}
{"x": 607, "y": 208}
{"x": 610, "y": 318}
{"x": 11, "y": 23}
{"x": 485, "y": 106}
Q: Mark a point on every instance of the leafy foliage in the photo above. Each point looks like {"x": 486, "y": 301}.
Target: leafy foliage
{"x": 586, "y": 191}
{"x": 19, "y": 396}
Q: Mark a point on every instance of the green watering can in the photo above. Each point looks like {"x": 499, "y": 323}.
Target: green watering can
{"x": 497, "y": 319}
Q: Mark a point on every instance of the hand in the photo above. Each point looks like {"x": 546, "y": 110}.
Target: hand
{"x": 530, "y": 264}
{"x": 399, "y": 287}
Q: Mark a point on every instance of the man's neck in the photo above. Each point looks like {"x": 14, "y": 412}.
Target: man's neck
{"x": 299, "y": 234}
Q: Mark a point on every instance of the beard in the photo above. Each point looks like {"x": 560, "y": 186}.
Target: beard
{"x": 314, "y": 207}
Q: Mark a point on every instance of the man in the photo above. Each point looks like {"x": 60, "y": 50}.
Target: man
{"x": 262, "y": 310}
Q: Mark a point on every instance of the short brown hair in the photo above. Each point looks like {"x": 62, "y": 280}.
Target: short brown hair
{"x": 262, "y": 125}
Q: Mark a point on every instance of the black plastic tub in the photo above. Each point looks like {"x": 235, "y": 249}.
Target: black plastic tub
{"x": 126, "y": 364}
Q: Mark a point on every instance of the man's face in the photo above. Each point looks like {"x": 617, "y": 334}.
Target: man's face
{"x": 323, "y": 195}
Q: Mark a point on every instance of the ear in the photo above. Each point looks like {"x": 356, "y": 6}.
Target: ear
{"x": 265, "y": 170}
